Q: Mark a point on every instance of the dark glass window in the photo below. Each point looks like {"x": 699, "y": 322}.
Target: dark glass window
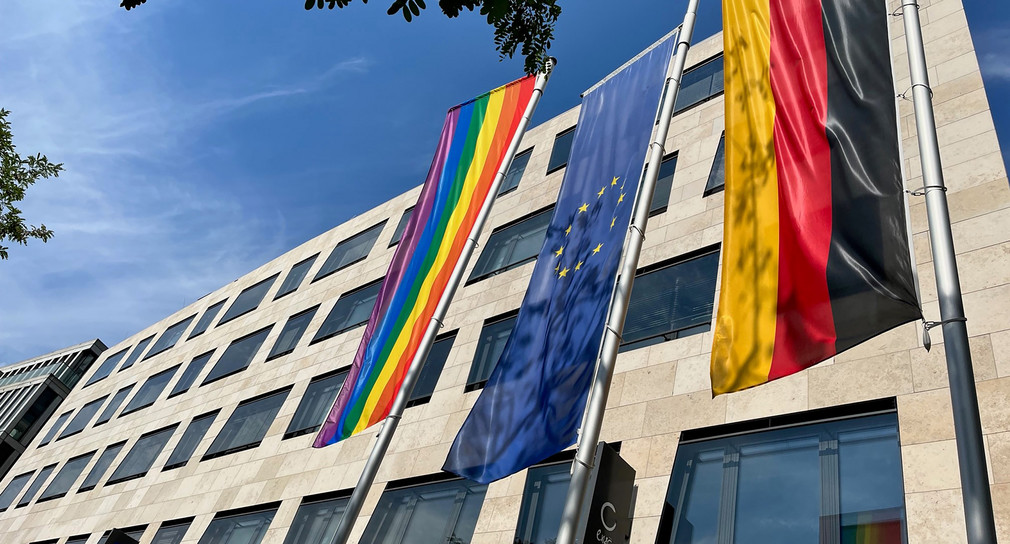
{"x": 439, "y": 512}
{"x": 699, "y": 84}
{"x": 78, "y": 539}
{"x": 717, "y": 176}
{"x": 316, "y": 521}
{"x": 190, "y": 440}
{"x": 238, "y": 355}
{"x": 247, "y": 425}
{"x": 136, "y": 353}
{"x": 132, "y": 532}
{"x": 671, "y": 302}
{"x": 295, "y": 277}
{"x": 512, "y": 245}
{"x": 315, "y": 404}
{"x": 169, "y": 338}
{"x": 351, "y": 310}
{"x": 543, "y": 502}
{"x": 172, "y": 532}
{"x": 490, "y": 346}
{"x": 204, "y": 323}
{"x": 142, "y": 456}
{"x": 350, "y": 251}
{"x": 827, "y": 482}
{"x": 66, "y": 477}
{"x": 101, "y": 466}
{"x": 114, "y": 404}
{"x": 55, "y": 428}
{"x": 292, "y": 333}
{"x": 47, "y": 399}
{"x": 432, "y": 369}
{"x": 83, "y": 418}
{"x": 248, "y": 300}
{"x": 515, "y": 172}
{"x": 400, "y": 227}
{"x": 33, "y": 489}
{"x": 191, "y": 373}
{"x": 239, "y": 528}
{"x": 150, "y": 391}
{"x": 106, "y": 368}
{"x": 561, "y": 150}
{"x": 13, "y": 489}
{"x": 664, "y": 185}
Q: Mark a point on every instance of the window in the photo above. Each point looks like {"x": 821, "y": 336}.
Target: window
{"x": 490, "y": 346}
{"x": 33, "y": 489}
{"x": 135, "y": 354}
{"x": 190, "y": 440}
{"x": 142, "y": 456}
{"x": 106, "y": 367}
{"x": 172, "y": 532}
{"x": 351, "y": 310}
{"x": 150, "y": 391}
{"x": 672, "y": 301}
{"x": 561, "y": 150}
{"x": 55, "y": 428}
{"x": 114, "y": 404}
{"x": 206, "y": 318}
{"x": 664, "y": 185}
{"x": 78, "y": 539}
{"x": 248, "y": 300}
{"x": 170, "y": 337}
{"x": 317, "y": 519}
{"x": 515, "y": 172}
{"x": 543, "y": 502}
{"x": 438, "y": 512}
{"x": 66, "y": 477}
{"x": 238, "y": 355}
{"x": 400, "y": 227}
{"x": 248, "y": 424}
{"x": 699, "y": 84}
{"x": 191, "y": 373}
{"x": 130, "y": 532}
{"x": 350, "y": 251}
{"x": 512, "y": 245}
{"x": 101, "y": 466}
{"x": 432, "y": 369}
{"x": 245, "y": 526}
{"x": 292, "y": 333}
{"x": 13, "y": 489}
{"x": 83, "y": 418}
{"x": 315, "y": 404}
{"x": 717, "y": 175}
{"x": 826, "y": 482}
{"x": 295, "y": 277}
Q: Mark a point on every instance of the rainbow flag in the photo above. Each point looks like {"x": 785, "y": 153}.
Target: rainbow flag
{"x": 475, "y": 138}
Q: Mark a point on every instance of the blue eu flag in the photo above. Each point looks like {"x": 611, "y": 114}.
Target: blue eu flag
{"x": 533, "y": 402}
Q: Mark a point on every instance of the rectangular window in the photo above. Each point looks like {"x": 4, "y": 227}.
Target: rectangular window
{"x": 295, "y": 277}
{"x": 292, "y": 333}
{"x": 512, "y": 245}
{"x": 438, "y": 512}
{"x": 190, "y": 440}
{"x": 315, "y": 404}
{"x": 142, "y": 456}
{"x": 561, "y": 150}
{"x": 114, "y": 404}
{"x": 672, "y": 301}
{"x": 717, "y": 175}
{"x": 36, "y": 486}
{"x": 238, "y": 355}
{"x": 432, "y": 369}
{"x": 664, "y": 185}
{"x": 130, "y": 532}
{"x": 55, "y": 428}
{"x": 150, "y": 391}
{"x": 317, "y": 519}
{"x": 136, "y": 353}
{"x": 245, "y": 526}
{"x": 543, "y": 502}
{"x": 699, "y": 84}
{"x": 106, "y": 368}
{"x": 13, "y": 489}
{"x": 101, "y": 466}
{"x": 191, "y": 373}
{"x": 350, "y": 251}
{"x": 351, "y": 310}
{"x": 248, "y": 300}
{"x": 208, "y": 316}
{"x": 66, "y": 477}
{"x": 169, "y": 338}
{"x": 83, "y": 418}
{"x": 172, "y": 532}
{"x": 515, "y": 172}
{"x": 490, "y": 346}
{"x": 248, "y": 424}
{"x": 78, "y": 539}
{"x": 401, "y": 226}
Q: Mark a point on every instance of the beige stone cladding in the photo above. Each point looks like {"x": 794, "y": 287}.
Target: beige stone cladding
{"x": 658, "y": 392}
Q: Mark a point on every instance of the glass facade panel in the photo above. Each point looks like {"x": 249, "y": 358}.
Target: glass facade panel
{"x": 101, "y": 466}
{"x": 661, "y": 197}
{"x": 55, "y": 428}
{"x": 205, "y": 320}
{"x": 717, "y": 176}
{"x": 439, "y": 512}
{"x": 490, "y": 346}
{"x": 114, "y": 404}
{"x": 83, "y": 418}
{"x": 543, "y": 502}
{"x": 79, "y": 539}
{"x": 515, "y": 172}
{"x": 13, "y": 489}
{"x": 131, "y": 532}
{"x": 315, "y": 404}
{"x": 171, "y": 532}
{"x": 316, "y": 521}
{"x": 238, "y": 529}
{"x": 142, "y": 456}
{"x": 432, "y": 369}
{"x": 512, "y": 245}
{"x": 33, "y": 489}
{"x": 351, "y": 310}
{"x": 699, "y": 84}
{"x": 106, "y": 368}
{"x": 66, "y": 477}
{"x": 292, "y": 333}
{"x": 561, "y": 150}
{"x": 150, "y": 391}
{"x": 295, "y": 277}
{"x": 350, "y": 251}
{"x": 190, "y": 440}
{"x": 247, "y": 425}
{"x": 248, "y": 300}
{"x": 191, "y": 373}
{"x": 136, "y": 353}
{"x": 238, "y": 355}
{"x": 400, "y": 227}
{"x": 169, "y": 338}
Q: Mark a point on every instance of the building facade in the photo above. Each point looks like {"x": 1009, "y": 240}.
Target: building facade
{"x": 198, "y": 428}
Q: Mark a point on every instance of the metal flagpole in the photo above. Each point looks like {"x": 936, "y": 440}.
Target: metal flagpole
{"x": 967, "y": 427}
{"x": 593, "y": 420}
{"x": 357, "y": 498}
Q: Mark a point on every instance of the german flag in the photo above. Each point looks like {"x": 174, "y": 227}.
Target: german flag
{"x": 816, "y": 254}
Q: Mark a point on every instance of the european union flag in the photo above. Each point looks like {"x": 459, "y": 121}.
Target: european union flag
{"x": 533, "y": 402}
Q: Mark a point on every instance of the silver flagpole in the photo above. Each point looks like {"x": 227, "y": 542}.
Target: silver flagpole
{"x": 414, "y": 370}
{"x": 967, "y": 427}
{"x": 593, "y": 419}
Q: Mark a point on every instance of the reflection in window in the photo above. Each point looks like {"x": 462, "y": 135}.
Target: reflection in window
{"x": 142, "y": 456}
{"x": 172, "y": 532}
{"x": 295, "y": 277}
{"x": 351, "y": 310}
{"x": 432, "y": 369}
{"x": 543, "y": 501}
{"x": 13, "y": 489}
{"x": 316, "y": 520}
{"x": 66, "y": 477}
{"x": 150, "y": 391}
{"x": 515, "y": 172}
{"x": 699, "y": 84}
{"x": 315, "y": 404}
{"x": 400, "y": 227}
{"x": 247, "y": 425}
{"x": 114, "y": 404}
{"x": 241, "y": 527}
{"x": 106, "y": 367}
{"x": 83, "y": 418}
{"x": 190, "y": 440}
{"x": 350, "y": 251}
{"x": 33, "y": 489}
{"x": 170, "y": 337}
{"x": 191, "y": 373}
{"x": 206, "y": 318}
{"x": 561, "y": 150}
{"x": 490, "y": 346}
{"x": 512, "y": 245}
{"x": 238, "y": 355}
{"x": 101, "y": 466}
{"x": 439, "y": 512}
{"x": 717, "y": 175}
{"x": 136, "y": 353}
{"x": 55, "y": 428}
{"x": 248, "y": 300}
{"x": 292, "y": 333}
{"x": 664, "y": 185}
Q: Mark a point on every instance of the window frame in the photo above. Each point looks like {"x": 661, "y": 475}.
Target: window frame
{"x": 171, "y": 524}
{"x": 108, "y": 365}
{"x": 494, "y": 320}
{"x": 65, "y": 433}
{"x": 114, "y": 405}
{"x": 316, "y": 338}
{"x": 211, "y": 454}
{"x": 504, "y": 190}
{"x": 473, "y": 278}
{"x": 226, "y": 319}
{"x": 401, "y": 226}
{"x": 378, "y": 227}
{"x": 416, "y": 400}
{"x": 138, "y": 350}
{"x": 720, "y": 150}
{"x": 169, "y": 431}
{"x": 271, "y": 507}
{"x": 710, "y": 97}
{"x": 154, "y": 347}
{"x": 56, "y": 428}
{"x": 312, "y": 314}
{"x": 288, "y": 432}
{"x": 216, "y": 309}
{"x": 41, "y": 478}
{"x": 21, "y": 489}
{"x": 210, "y": 378}
{"x": 550, "y": 160}
{"x": 169, "y": 465}
{"x": 87, "y": 457}
{"x": 310, "y": 500}
{"x": 175, "y": 388}
{"x": 653, "y": 209}
{"x": 117, "y": 448}
{"x": 127, "y": 410}
{"x": 307, "y": 263}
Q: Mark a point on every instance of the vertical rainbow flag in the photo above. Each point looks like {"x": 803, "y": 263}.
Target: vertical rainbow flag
{"x": 475, "y": 139}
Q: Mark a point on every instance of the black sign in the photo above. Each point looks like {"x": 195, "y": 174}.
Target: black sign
{"x": 608, "y": 518}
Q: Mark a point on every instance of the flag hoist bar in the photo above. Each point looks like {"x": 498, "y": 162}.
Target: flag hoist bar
{"x": 592, "y": 422}
{"x": 385, "y": 435}
{"x": 975, "y": 492}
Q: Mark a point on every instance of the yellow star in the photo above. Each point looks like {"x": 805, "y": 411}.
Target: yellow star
{"x": 578, "y": 266}
{"x": 559, "y": 251}
{"x": 563, "y": 273}
{"x": 597, "y": 250}
{"x": 568, "y": 230}
{"x": 583, "y": 208}
{"x": 620, "y": 198}
{"x": 612, "y": 221}
{"x": 612, "y": 183}
{"x": 599, "y": 194}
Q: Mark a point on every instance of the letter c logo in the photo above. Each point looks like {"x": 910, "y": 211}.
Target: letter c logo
{"x": 603, "y": 509}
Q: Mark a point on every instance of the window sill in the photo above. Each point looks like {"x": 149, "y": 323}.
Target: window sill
{"x": 230, "y": 451}
{"x": 341, "y": 331}
{"x": 335, "y": 270}
{"x": 126, "y": 479}
{"x": 301, "y": 432}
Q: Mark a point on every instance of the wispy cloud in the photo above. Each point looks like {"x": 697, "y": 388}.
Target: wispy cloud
{"x": 993, "y": 61}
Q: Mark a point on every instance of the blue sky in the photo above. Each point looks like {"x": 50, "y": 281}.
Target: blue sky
{"x": 201, "y": 139}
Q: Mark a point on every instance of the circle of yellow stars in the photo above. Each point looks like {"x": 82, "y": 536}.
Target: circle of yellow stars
{"x": 563, "y": 272}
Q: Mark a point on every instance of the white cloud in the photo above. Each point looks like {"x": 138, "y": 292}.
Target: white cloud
{"x": 994, "y": 65}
